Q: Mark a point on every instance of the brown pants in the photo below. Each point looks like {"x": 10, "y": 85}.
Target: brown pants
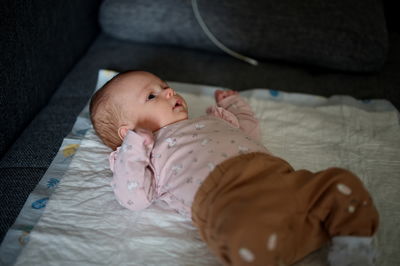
{"x": 254, "y": 209}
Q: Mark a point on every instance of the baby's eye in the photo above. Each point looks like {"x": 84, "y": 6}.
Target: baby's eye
{"x": 151, "y": 96}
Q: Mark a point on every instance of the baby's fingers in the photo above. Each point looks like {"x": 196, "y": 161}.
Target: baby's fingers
{"x": 220, "y": 94}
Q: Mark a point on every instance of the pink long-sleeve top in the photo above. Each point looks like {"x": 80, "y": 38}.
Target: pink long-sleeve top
{"x": 173, "y": 166}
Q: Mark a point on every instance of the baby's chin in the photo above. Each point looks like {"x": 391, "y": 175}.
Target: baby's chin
{"x": 185, "y": 117}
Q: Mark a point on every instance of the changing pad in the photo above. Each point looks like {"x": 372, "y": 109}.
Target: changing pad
{"x": 83, "y": 224}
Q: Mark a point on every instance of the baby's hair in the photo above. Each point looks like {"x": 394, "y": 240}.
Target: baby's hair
{"x": 106, "y": 116}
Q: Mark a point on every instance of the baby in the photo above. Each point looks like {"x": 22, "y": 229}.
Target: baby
{"x": 251, "y": 208}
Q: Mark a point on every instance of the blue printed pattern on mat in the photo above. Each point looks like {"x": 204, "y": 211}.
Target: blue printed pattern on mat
{"x": 41, "y": 203}
{"x": 274, "y": 93}
{"x": 52, "y": 182}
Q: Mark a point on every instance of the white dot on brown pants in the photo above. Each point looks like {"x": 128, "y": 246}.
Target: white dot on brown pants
{"x": 246, "y": 255}
{"x": 272, "y": 241}
{"x": 351, "y": 209}
{"x": 343, "y": 189}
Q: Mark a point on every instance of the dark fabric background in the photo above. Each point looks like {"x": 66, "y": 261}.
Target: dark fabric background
{"x": 347, "y": 35}
{"x": 391, "y": 9}
{"x": 41, "y": 41}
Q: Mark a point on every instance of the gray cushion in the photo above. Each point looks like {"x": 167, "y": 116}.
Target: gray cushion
{"x": 347, "y": 35}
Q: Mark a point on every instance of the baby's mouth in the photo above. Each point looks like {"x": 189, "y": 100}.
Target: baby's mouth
{"x": 178, "y": 103}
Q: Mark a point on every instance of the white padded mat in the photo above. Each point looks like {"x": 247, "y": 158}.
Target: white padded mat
{"x": 84, "y": 225}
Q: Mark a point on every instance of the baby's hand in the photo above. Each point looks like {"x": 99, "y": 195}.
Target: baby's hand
{"x": 220, "y": 94}
{"x": 146, "y": 134}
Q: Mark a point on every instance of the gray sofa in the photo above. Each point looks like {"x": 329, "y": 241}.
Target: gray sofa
{"x": 52, "y": 51}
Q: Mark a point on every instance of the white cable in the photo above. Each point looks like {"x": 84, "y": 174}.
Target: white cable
{"x": 215, "y": 40}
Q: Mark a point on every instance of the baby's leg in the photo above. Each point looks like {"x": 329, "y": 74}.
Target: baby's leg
{"x": 244, "y": 236}
{"x": 245, "y": 212}
{"x": 337, "y": 200}
{"x": 256, "y": 210}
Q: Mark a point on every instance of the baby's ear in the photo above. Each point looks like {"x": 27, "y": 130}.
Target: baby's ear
{"x": 123, "y": 131}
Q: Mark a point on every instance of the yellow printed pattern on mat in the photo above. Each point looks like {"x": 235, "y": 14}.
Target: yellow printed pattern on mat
{"x": 70, "y": 150}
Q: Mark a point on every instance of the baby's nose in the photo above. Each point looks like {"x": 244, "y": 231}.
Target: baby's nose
{"x": 169, "y": 92}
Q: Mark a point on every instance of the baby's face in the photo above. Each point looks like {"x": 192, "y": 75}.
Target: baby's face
{"x": 148, "y": 102}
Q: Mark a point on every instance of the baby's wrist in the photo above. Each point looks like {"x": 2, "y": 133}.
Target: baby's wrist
{"x": 227, "y": 101}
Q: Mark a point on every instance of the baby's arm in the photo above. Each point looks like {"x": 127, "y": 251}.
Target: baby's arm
{"x": 234, "y": 103}
{"x": 133, "y": 181}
